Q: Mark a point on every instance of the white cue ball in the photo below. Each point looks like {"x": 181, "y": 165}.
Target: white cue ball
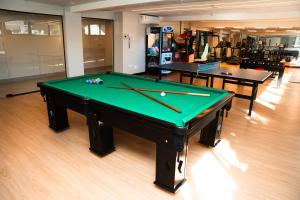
{"x": 162, "y": 94}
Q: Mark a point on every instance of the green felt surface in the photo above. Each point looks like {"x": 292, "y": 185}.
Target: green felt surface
{"x": 190, "y": 106}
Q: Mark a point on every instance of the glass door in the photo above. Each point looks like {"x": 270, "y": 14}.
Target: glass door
{"x": 31, "y": 50}
{"x": 97, "y": 37}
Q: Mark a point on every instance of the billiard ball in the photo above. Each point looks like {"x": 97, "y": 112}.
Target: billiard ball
{"x": 162, "y": 94}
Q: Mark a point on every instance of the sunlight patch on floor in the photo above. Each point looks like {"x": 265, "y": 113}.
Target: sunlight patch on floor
{"x": 272, "y": 94}
{"x": 255, "y": 118}
{"x": 265, "y": 103}
{"x": 210, "y": 174}
{"x": 212, "y": 180}
{"x": 271, "y": 97}
{"x": 225, "y": 153}
{"x": 186, "y": 191}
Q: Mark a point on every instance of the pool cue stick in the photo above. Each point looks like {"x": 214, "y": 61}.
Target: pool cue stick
{"x": 166, "y": 91}
{"x": 152, "y": 98}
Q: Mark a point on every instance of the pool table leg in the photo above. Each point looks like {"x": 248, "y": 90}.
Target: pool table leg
{"x": 101, "y": 136}
{"x": 210, "y": 135}
{"x": 170, "y": 164}
{"x": 57, "y": 115}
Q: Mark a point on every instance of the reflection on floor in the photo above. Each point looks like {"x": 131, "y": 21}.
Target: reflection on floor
{"x": 29, "y": 84}
{"x": 258, "y": 158}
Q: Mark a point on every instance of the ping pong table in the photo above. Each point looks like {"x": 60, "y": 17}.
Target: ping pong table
{"x": 245, "y": 77}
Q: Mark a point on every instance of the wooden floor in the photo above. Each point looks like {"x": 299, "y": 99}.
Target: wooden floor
{"x": 258, "y": 158}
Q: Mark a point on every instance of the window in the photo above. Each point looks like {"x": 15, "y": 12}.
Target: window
{"x": 27, "y": 52}
{"x": 102, "y": 29}
{"x": 94, "y": 29}
{"x": 297, "y": 42}
{"x": 16, "y": 27}
{"x": 97, "y": 35}
{"x": 39, "y": 28}
{"x": 55, "y": 28}
{"x": 86, "y": 30}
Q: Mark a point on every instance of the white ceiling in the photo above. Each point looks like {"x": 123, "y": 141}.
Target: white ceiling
{"x": 188, "y": 10}
{"x": 77, "y": 2}
{"x": 64, "y": 2}
{"x": 190, "y": 7}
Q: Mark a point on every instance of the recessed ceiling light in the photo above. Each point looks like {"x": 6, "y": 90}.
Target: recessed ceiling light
{"x": 259, "y": 27}
{"x": 219, "y": 27}
{"x": 239, "y": 27}
{"x": 285, "y": 27}
{"x": 270, "y": 31}
{"x": 252, "y": 30}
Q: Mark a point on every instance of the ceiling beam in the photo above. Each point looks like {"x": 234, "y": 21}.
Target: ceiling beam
{"x": 106, "y": 4}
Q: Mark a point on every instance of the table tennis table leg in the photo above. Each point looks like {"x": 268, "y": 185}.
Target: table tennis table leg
{"x": 191, "y": 79}
{"x": 180, "y": 79}
{"x": 207, "y": 81}
{"x": 280, "y": 75}
{"x": 223, "y": 83}
{"x": 159, "y": 76}
{"x": 211, "y": 81}
{"x": 253, "y": 97}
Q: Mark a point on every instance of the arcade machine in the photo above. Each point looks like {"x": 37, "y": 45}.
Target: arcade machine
{"x": 159, "y": 45}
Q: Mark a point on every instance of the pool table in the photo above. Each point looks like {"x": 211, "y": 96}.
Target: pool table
{"x": 107, "y": 107}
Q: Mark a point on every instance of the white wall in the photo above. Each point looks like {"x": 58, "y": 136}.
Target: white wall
{"x": 129, "y": 60}
{"x": 118, "y": 42}
{"x": 133, "y": 57}
{"x": 32, "y": 7}
{"x": 73, "y": 44}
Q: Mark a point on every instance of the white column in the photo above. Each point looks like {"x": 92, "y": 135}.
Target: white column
{"x": 73, "y": 43}
{"x": 133, "y": 54}
{"x": 118, "y": 42}
{"x": 129, "y": 58}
